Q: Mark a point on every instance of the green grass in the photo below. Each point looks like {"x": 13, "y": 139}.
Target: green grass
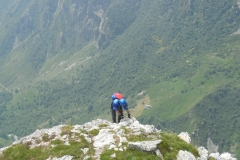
{"x": 25, "y": 96}
{"x": 169, "y": 148}
{"x": 143, "y": 137}
{"x": 171, "y": 144}
{"x": 129, "y": 154}
{"x": 103, "y": 125}
{"x": 171, "y": 99}
{"x": 67, "y": 129}
{"x": 94, "y": 132}
{"x": 23, "y": 152}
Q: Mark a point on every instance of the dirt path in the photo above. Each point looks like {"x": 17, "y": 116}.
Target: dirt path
{"x": 5, "y": 88}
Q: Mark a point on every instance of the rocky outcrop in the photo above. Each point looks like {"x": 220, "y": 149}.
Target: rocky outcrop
{"x": 185, "y": 155}
{"x": 223, "y": 156}
{"x": 185, "y": 136}
{"x": 100, "y": 136}
{"x": 145, "y": 146}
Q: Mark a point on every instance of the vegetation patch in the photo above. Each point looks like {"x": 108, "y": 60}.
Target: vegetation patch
{"x": 56, "y": 142}
{"x": 129, "y": 154}
{"x": 126, "y": 131}
{"x": 103, "y": 125}
{"x": 171, "y": 144}
{"x": 143, "y": 137}
{"x": 94, "y": 132}
{"x": 66, "y": 130}
{"x": 45, "y": 137}
{"x": 23, "y": 152}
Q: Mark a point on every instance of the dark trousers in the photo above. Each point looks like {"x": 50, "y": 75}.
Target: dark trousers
{"x": 114, "y": 115}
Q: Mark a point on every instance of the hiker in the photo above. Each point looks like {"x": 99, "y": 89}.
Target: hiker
{"x": 119, "y": 96}
{"x": 112, "y": 111}
{"x": 117, "y": 107}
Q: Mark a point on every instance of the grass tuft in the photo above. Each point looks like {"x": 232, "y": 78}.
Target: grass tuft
{"x": 94, "y": 132}
{"x": 103, "y": 125}
{"x": 66, "y": 130}
{"x": 171, "y": 144}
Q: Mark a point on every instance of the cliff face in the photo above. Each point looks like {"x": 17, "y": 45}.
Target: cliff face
{"x": 59, "y": 26}
{"x": 101, "y": 139}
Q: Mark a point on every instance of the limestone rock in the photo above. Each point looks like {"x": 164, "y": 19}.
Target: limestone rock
{"x": 67, "y": 157}
{"x": 185, "y": 155}
{"x": 185, "y": 136}
{"x": 223, "y": 156}
{"x": 146, "y": 146}
{"x": 203, "y": 153}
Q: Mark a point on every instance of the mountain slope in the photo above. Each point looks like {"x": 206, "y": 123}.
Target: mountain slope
{"x": 61, "y": 60}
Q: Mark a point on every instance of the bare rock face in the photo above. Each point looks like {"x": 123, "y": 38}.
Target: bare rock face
{"x": 212, "y": 148}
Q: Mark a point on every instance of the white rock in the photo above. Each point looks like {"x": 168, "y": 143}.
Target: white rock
{"x": 159, "y": 154}
{"x": 67, "y": 157}
{"x": 85, "y": 150}
{"x": 112, "y": 146}
{"x": 113, "y": 155}
{"x": 216, "y": 156}
{"x": 57, "y": 130}
{"x": 185, "y": 136}
{"x": 120, "y": 132}
{"x": 86, "y": 158}
{"x": 104, "y": 137}
{"x": 123, "y": 140}
{"x": 227, "y": 156}
{"x": 185, "y": 155}
{"x": 89, "y": 140}
{"x": 146, "y": 146}
{"x": 203, "y": 153}
{"x": 77, "y": 128}
{"x": 223, "y": 156}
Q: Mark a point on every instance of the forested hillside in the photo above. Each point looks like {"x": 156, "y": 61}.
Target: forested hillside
{"x": 60, "y": 61}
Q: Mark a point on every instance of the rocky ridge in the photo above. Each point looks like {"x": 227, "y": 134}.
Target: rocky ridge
{"x": 101, "y": 139}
